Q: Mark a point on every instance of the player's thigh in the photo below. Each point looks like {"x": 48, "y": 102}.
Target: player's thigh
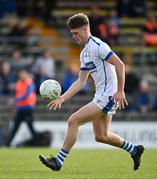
{"x": 87, "y": 113}
{"x": 101, "y": 126}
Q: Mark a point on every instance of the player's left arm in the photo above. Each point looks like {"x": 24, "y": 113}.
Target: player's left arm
{"x": 119, "y": 96}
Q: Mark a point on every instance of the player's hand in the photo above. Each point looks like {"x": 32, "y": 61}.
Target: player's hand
{"x": 120, "y": 99}
{"x": 55, "y": 104}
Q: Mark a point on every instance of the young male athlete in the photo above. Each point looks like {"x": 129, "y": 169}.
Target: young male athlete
{"x": 107, "y": 71}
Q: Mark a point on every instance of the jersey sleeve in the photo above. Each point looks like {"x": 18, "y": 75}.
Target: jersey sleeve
{"x": 104, "y": 51}
{"x": 83, "y": 67}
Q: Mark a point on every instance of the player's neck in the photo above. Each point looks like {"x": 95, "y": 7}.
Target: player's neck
{"x": 87, "y": 38}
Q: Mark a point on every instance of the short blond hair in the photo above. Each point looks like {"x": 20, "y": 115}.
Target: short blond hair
{"x": 77, "y": 20}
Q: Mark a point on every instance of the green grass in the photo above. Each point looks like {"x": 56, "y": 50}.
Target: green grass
{"x": 82, "y": 164}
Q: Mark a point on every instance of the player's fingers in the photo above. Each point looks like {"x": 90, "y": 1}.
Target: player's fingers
{"x": 52, "y": 106}
{"x": 117, "y": 104}
{"x": 120, "y": 106}
{"x": 123, "y": 106}
{"x": 51, "y": 103}
{"x": 59, "y": 106}
{"x": 125, "y": 101}
{"x": 56, "y": 106}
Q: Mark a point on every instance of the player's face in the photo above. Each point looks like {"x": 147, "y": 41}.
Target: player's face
{"x": 79, "y": 35}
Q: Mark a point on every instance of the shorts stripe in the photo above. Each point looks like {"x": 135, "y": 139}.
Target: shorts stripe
{"x": 109, "y": 106}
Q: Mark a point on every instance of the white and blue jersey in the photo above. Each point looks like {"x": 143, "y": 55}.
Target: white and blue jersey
{"x": 94, "y": 58}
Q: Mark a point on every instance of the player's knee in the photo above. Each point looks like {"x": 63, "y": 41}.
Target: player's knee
{"x": 102, "y": 138}
{"x": 72, "y": 121}
{"x": 99, "y": 138}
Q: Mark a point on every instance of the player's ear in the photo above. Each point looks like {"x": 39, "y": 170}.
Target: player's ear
{"x": 85, "y": 28}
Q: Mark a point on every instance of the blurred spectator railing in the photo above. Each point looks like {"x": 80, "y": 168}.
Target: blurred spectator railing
{"x": 61, "y": 50}
{"x": 7, "y": 44}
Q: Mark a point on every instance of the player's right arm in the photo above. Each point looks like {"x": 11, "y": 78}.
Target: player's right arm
{"x": 106, "y": 54}
{"x": 74, "y": 88}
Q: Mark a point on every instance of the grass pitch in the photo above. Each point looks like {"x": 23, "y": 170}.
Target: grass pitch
{"x": 23, "y": 163}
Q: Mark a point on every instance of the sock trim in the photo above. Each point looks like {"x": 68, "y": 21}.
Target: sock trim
{"x": 58, "y": 156}
{"x": 126, "y": 146}
{"x": 64, "y": 151}
{"x": 63, "y": 155}
{"x": 130, "y": 148}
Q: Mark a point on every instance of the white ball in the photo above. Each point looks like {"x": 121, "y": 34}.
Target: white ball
{"x": 50, "y": 89}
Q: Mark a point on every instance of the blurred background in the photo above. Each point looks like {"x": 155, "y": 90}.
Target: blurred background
{"x": 34, "y": 37}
